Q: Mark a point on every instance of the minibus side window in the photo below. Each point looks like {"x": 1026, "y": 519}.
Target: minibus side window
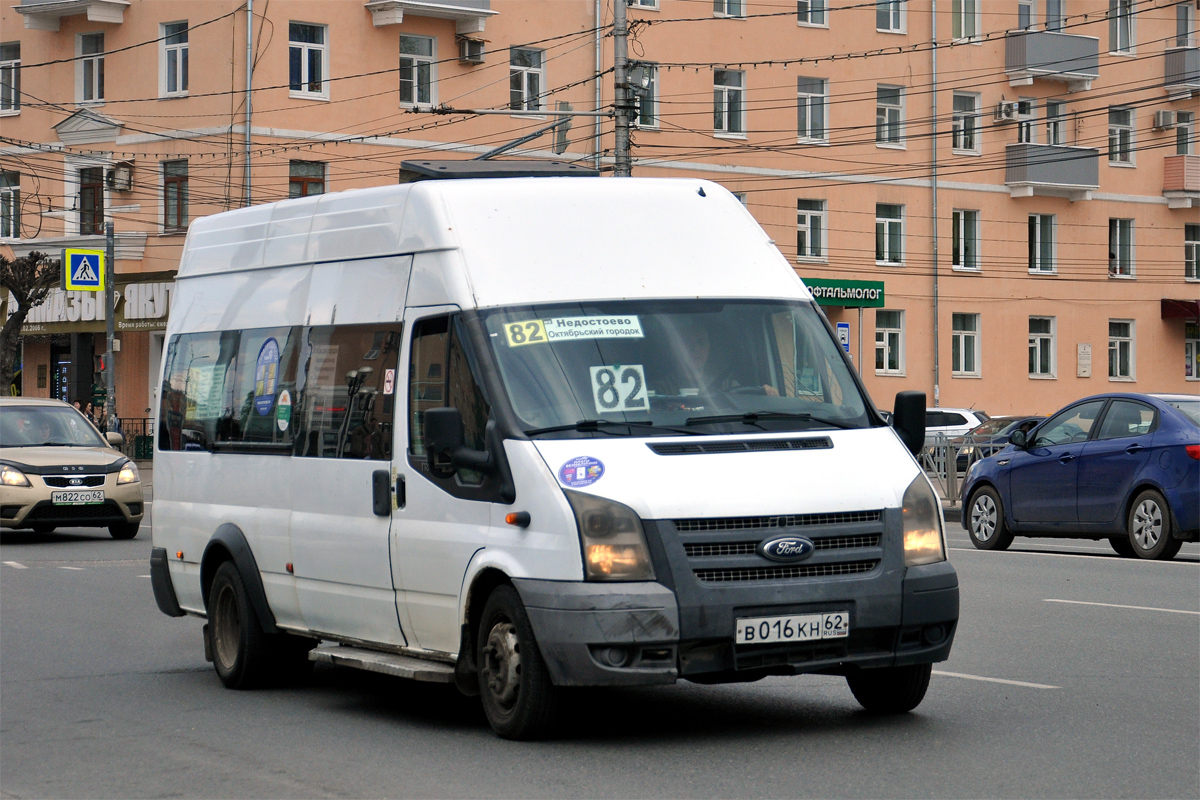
{"x": 346, "y": 387}
{"x": 196, "y": 396}
{"x": 262, "y": 390}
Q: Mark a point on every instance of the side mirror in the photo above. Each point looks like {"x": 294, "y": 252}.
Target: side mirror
{"x": 444, "y": 444}
{"x": 115, "y": 439}
{"x": 908, "y": 419}
{"x": 1019, "y": 440}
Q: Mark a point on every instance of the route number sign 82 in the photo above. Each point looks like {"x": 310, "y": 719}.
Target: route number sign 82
{"x": 619, "y": 388}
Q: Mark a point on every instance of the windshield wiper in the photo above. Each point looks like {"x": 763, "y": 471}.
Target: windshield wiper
{"x": 54, "y": 444}
{"x": 752, "y": 417}
{"x": 586, "y": 425}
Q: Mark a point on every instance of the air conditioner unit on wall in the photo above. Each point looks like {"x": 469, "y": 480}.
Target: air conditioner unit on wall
{"x": 1006, "y": 111}
{"x": 470, "y": 51}
{"x": 1164, "y": 120}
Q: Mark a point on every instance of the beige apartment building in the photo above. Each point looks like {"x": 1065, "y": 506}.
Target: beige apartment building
{"x": 1019, "y": 178}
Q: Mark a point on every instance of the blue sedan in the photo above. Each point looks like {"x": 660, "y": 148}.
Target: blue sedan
{"x": 1122, "y": 467}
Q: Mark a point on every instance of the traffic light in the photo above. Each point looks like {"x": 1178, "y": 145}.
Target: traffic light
{"x": 99, "y": 391}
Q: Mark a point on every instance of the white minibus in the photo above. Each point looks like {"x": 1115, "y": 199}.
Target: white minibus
{"x": 519, "y": 434}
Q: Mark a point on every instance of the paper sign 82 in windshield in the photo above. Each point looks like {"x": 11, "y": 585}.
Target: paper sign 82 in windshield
{"x": 619, "y": 388}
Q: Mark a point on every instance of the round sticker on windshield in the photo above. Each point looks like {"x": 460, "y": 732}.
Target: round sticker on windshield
{"x": 581, "y": 471}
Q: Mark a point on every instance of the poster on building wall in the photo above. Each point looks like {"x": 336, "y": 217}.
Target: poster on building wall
{"x": 1084, "y": 360}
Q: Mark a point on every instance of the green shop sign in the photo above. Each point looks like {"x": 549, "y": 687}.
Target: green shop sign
{"x": 853, "y": 294}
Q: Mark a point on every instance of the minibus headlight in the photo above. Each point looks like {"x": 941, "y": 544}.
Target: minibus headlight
{"x": 128, "y": 474}
{"x": 922, "y": 525}
{"x": 614, "y": 545}
{"x": 11, "y": 476}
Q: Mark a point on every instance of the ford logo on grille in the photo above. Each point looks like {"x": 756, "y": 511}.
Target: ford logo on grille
{"x": 790, "y": 548}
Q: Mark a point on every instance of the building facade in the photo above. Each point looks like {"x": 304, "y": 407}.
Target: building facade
{"x": 1021, "y": 176}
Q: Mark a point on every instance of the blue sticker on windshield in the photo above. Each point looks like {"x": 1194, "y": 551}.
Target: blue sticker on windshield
{"x": 581, "y": 471}
{"x": 266, "y": 375}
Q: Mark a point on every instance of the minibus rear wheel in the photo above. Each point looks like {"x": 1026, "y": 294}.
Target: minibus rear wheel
{"x": 518, "y": 698}
{"x": 239, "y": 646}
{"x": 890, "y": 690}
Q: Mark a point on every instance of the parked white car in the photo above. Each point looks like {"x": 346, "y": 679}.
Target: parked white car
{"x": 951, "y": 421}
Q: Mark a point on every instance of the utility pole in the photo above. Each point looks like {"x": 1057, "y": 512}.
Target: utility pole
{"x": 624, "y": 161}
{"x": 110, "y": 257}
{"x": 249, "y": 90}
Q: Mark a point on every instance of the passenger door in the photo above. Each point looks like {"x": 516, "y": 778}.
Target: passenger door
{"x": 1110, "y": 462}
{"x": 1043, "y": 478}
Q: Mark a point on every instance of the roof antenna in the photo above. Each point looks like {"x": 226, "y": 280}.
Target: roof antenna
{"x": 700, "y": 192}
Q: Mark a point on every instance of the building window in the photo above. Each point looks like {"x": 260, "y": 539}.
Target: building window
{"x": 1121, "y": 351}
{"x": 1120, "y": 247}
{"x": 1026, "y": 121}
{"x": 417, "y": 65}
{"x": 1191, "y": 351}
{"x": 1185, "y": 127}
{"x": 742, "y": 197}
{"x": 964, "y": 19}
{"x": 1056, "y": 123}
{"x": 729, "y": 8}
{"x": 1120, "y": 135}
{"x": 306, "y": 178}
{"x": 965, "y": 239}
{"x": 91, "y": 200}
{"x": 175, "y": 195}
{"x": 1026, "y": 15}
{"x": 1041, "y": 347}
{"x": 889, "y": 16}
{"x": 526, "y": 75}
{"x": 308, "y": 66}
{"x": 811, "y": 96}
{"x": 889, "y": 234}
{"x": 1191, "y": 252}
{"x": 173, "y": 64}
{"x": 1120, "y": 26}
{"x": 810, "y": 229}
{"x": 729, "y": 113}
{"x": 651, "y": 4}
{"x": 965, "y": 123}
{"x": 90, "y": 68}
{"x": 811, "y": 12}
{"x": 964, "y": 345}
{"x": 1184, "y": 16}
{"x": 889, "y": 115}
{"x": 10, "y": 205}
{"x": 1054, "y": 15}
{"x": 10, "y": 77}
{"x": 1041, "y": 243}
{"x": 647, "y": 116}
{"x": 889, "y": 342}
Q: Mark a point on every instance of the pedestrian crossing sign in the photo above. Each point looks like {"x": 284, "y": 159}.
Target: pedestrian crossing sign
{"x": 83, "y": 270}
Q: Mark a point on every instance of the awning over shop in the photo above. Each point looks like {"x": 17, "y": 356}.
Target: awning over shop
{"x": 1180, "y": 309}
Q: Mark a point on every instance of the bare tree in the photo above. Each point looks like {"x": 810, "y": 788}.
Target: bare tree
{"x": 29, "y": 279}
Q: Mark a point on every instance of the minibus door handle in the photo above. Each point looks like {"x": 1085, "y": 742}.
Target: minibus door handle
{"x": 401, "y": 496}
{"x": 381, "y": 493}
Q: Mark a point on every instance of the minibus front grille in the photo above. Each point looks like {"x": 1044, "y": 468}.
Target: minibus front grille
{"x": 710, "y": 549}
{"x": 741, "y": 446}
{"x": 784, "y": 521}
{"x": 743, "y": 574}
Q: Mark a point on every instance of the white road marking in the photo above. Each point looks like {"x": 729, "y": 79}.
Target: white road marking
{"x": 15, "y": 565}
{"x": 1118, "y": 605}
{"x": 1113, "y": 559}
{"x": 994, "y": 680}
{"x": 77, "y": 569}
{"x": 143, "y": 576}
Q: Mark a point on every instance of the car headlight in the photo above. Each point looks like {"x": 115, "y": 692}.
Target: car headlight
{"x": 128, "y": 474}
{"x": 614, "y": 545}
{"x": 11, "y": 476}
{"x": 922, "y": 525}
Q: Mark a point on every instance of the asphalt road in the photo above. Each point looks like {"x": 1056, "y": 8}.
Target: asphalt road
{"x": 1075, "y": 673}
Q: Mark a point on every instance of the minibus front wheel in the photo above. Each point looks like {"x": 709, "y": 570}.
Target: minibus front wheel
{"x": 518, "y": 698}
{"x": 890, "y": 690}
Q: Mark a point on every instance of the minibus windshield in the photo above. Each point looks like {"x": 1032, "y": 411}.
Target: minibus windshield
{"x": 671, "y": 368}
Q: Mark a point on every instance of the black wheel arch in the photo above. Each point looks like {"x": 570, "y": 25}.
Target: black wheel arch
{"x": 482, "y": 586}
{"x": 229, "y": 544}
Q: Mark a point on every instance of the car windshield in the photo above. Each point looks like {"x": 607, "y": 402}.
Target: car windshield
{"x": 1190, "y": 409}
{"x": 697, "y": 366}
{"x": 48, "y": 426}
{"x": 993, "y": 426}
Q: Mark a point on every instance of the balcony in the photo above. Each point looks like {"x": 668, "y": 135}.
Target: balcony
{"x": 1051, "y": 170}
{"x": 44, "y": 15}
{"x": 1182, "y": 70}
{"x": 1066, "y": 57}
{"x": 468, "y": 15}
{"x": 1181, "y": 181}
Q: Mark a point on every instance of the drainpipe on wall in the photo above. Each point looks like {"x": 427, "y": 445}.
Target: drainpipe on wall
{"x": 598, "y": 130}
{"x": 933, "y": 164}
{"x": 249, "y": 82}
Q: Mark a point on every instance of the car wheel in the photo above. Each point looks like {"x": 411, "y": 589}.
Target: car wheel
{"x": 239, "y": 646}
{"x": 124, "y": 530}
{"x": 1122, "y": 546}
{"x": 986, "y": 523}
{"x": 518, "y": 698}
{"x": 890, "y": 690}
{"x": 1150, "y": 525}
{"x": 42, "y": 527}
